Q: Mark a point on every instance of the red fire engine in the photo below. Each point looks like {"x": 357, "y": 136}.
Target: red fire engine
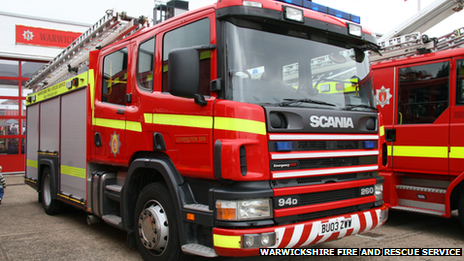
{"x": 238, "y": 126}
{"x": 421, "y": 99}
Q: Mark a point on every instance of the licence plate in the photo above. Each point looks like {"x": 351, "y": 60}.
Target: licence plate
{"x": 336, "y": 226}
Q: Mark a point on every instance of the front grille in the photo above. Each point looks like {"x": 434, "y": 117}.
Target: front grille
{"x": 328, "y": 196}
{"x": 319, "y": 197}
{"x": 281, "y": 183}
{"x": 319, "y": 179}
{"x": 328, "y": 162}
{"x": 328, "y": 213}
{"x": 323, "y": 145}
{"x": 329, "y": 145}
{"x": 320, "y": 162}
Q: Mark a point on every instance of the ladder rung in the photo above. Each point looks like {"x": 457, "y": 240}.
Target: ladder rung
{"x": 108, "y": 29}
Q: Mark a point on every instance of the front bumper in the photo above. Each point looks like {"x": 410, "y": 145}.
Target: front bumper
{"x": 228, "y": 242}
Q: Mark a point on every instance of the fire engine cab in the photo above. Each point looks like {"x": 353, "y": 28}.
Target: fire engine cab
{"x": 420, "y": 94}
{"x": 237, "y": 126}
{"x": 421, "y": 99}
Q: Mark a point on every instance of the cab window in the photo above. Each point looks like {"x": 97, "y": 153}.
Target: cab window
{"x": 114, "y": 82}
{"x": 460, "y": 82}
{"x": 423, "y": 92}
{"x": 194, "y": 34}
{"x": 145, "y": 64}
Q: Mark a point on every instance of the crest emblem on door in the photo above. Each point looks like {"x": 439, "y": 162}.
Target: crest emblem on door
{"x": 115, "y": 144}
{"x": 383, "y": 96}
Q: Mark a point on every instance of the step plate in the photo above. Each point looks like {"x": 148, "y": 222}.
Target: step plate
{"x": 421, "y": 189}
{"x": 113, "y": 220}
{"x": 115, "y": 188}
{"x": 418, "y": 210}
{"x": 199, "y": 250}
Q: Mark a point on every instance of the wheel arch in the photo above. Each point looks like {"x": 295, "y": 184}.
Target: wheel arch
{"x": 52, "y": 165}
{"x": 453, "y": 193}
{"x": 144, "y": 171}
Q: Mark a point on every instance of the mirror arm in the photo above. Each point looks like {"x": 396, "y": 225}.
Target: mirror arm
{"x": 200, "y": 99}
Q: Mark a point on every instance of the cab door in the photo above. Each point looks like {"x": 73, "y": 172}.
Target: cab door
{"x": 422, "y": 118}
{"x": 457, "y": 118}
{"x": 109, "y": 119}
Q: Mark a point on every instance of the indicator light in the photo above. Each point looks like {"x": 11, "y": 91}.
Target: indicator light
{"x": 370, "y": 144}
{"x": 284, "y": 146}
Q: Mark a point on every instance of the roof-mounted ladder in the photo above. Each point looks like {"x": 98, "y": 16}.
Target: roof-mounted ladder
{"x": 110, "y": 28}
{"x": 417, "y": 43}
{"x": 451, "y": 40}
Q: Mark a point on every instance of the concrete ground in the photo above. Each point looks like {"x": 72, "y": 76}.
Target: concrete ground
{"x": 27, "y": 233}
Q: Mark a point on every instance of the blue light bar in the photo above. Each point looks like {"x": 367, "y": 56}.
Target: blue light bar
{"x": 284, "y": 146}
{"x": 295, "y": 2}
{"x": 324, "y": 9}
{"x": 369, "y": 144}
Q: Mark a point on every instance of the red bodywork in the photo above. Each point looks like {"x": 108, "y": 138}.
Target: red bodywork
{"x": 425, "y": 157}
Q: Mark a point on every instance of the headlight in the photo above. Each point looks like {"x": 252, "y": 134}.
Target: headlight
{"x": 259, "y": 240}
{"x": 354, "y": 29}
{"x": 236, "y": 210}
{"x": 294, "y": 14}
{"x": 378, "y": 192}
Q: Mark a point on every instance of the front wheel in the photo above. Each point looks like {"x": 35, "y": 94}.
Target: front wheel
{"x": 156, "y": 225}
{"x": 461, "y": 208}
{"x": 50, "y": 205}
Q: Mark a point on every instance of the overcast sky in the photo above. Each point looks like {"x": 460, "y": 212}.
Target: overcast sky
{"x": 379, "y": 15}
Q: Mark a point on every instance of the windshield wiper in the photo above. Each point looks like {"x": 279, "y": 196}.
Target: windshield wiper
{"x": 352, "y": 106}
{"x": 289, "y": 102}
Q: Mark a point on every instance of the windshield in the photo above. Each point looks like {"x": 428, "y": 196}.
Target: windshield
{"x": 269, "y": 68}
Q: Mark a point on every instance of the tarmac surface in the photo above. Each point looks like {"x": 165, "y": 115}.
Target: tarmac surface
{"x": 27, "y": 233}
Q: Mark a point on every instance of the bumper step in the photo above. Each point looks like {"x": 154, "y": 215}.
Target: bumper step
{"x": 419, "y": 210}
{"x": 113, "y": 220}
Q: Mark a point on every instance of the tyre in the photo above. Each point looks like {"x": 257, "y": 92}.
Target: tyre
{"x": 156, "y": 225}
{"x": 461, "y": 208}
{"x": 50, "y": 205}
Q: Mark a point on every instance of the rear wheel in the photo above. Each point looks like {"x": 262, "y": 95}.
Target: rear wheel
{"x": 156, "y": 225}
{"x": 50, "y": 205}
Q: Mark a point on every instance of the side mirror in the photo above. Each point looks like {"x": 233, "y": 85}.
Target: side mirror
{"x": 184, "y": 72}
{"x": 359, "y": 55}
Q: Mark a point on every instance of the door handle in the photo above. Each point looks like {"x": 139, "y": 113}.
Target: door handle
{"x": 120, "y": 111}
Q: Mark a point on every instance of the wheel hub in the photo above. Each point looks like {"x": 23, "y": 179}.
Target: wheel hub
{"x": 153, "y": 227}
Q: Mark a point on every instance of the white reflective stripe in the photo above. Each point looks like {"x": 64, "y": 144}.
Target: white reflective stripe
{"x": 369, "y": 222}
{"x": 342, "y": 233}
{"x": 279, "y": 236}
{"x": 378, "y": 213}
{"x": 356, "y": 224}
{"x": 297, "y": 232}
{"x": 317, "y": 172}
{"x": 314, "y": 232}
{"x": 325, "y": 237}
{"x": 322, "y": 137}
{"x": 325, "y": 154}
